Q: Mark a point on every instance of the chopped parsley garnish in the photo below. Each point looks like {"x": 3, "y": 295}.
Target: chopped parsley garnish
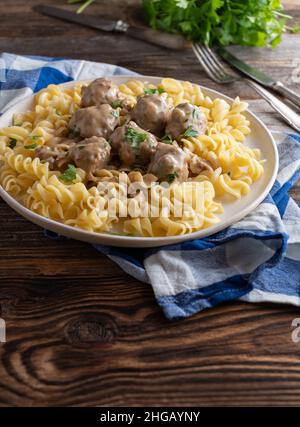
{"x": 69, "y": 174}
{"x": 81, "y": 147}
{"x": 31, "y": 146}
{"x": 167, "y": 139}
{"x": 74, "y": 132}
{"x": 116, "y": 113}
{"x": 117, "y": 103}
{"x": 154, "y": 91}
{"x": 12, "y": 142}
{"x": 58, "y": 113}
{"x": 34, "y": 137}
{"x": 134, "y": 138}
{"x": 171, "y": 177}
{"x": 190, "y": 132}
{"x": 195, "y": 114}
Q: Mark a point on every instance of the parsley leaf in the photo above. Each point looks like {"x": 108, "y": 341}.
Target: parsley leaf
{"x": 167, "y": 139}
{"x": 33, "y": 137}
{"x": 134, "y": 138}
{"x": 154, "y": 91}
{"x": 69, "y": 174}
{"x": 116, "y": 113}
{"x": 171, "y": 177}
{"x": 190, "y": 132}
{"x": 195, "y": 114}
{"x": 31, "y": 146}
{"x": 117, "y": 103}
{"x": 244, "y": 22}
{"x": 74, "y": 132}
{"x": 12, "y": 143}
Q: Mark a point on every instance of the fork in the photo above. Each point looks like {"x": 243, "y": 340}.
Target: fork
{"x": 217, "y": 72}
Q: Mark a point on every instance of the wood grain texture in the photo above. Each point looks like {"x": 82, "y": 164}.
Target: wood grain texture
{"x": 82, "y": 332}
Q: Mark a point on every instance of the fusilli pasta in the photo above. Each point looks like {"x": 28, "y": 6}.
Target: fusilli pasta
{"x": 30, "y": 180}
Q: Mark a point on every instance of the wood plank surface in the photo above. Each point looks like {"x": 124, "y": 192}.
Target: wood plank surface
{"x": 82, "y": 332}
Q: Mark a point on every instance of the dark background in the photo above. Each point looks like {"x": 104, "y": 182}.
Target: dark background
{"x": 82, "y": 332}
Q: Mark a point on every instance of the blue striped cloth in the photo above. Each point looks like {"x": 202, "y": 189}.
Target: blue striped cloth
{"x": 255, "y": 260}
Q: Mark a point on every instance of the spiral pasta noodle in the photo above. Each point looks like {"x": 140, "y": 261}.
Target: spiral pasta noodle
{"x": 129, "y": 201}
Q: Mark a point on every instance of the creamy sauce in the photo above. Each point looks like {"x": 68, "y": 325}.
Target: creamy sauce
{"x": 151, "y": 113}
{"x": 169, "y": 162}
{"x": 107, "y": 134}
{"x": 91, "y": 154}
{"x": 183, "y": 117}
{"x": 94, "y": 121}
{"x": 133, "y": 144}
{"x": 100, "y": 91}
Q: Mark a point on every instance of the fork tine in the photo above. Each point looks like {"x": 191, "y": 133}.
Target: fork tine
{"x": 219, "y": 71}
{"x": 205, "y": 63}
{"x": 216, "y": 60}
{"x": 202, "y": 62}
{"x": 215, "y": 73}
{"x": 215, "y": 66}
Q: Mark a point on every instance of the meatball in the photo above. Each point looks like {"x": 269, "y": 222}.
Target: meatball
{"x": 100, "y": 91}
{"x": 56, "y": 159}
{"x": 94, "y": 121}
{"x": 133, "y": 144}
{"x": 91, "y": 154}
{"x": 186, "y": 117}
{"x": 151, "y": 113}
{"x": 197, "y": 165}
{"x": 169, "y": 162}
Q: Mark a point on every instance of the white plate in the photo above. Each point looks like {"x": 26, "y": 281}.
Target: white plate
{"x": 260, "y": 138}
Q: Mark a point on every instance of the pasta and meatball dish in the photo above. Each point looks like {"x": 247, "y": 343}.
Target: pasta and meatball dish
{"x": 134, "y": 159}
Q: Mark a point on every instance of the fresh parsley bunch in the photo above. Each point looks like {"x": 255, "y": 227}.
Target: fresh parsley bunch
{"x": 244, "y": 22}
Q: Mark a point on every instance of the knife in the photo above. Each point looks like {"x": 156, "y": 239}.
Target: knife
{"x": 159, "y": 38}
{"x": 259, "y": 76}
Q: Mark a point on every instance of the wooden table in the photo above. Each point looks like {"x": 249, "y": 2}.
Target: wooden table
{"x": 82, "y": 332}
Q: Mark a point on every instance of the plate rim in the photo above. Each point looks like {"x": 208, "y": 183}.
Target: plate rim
{"x": 120, "y": 240}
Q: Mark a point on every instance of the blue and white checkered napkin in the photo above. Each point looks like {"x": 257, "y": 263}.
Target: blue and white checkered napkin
{"x": 255, "y": 260}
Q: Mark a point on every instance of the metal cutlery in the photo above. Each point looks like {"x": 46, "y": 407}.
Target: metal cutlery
{"x": 216, "y": 71}
{"x": 208, "y": 59}
{"x": 170, "y": 41}
{"x": 259, "y": 76}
